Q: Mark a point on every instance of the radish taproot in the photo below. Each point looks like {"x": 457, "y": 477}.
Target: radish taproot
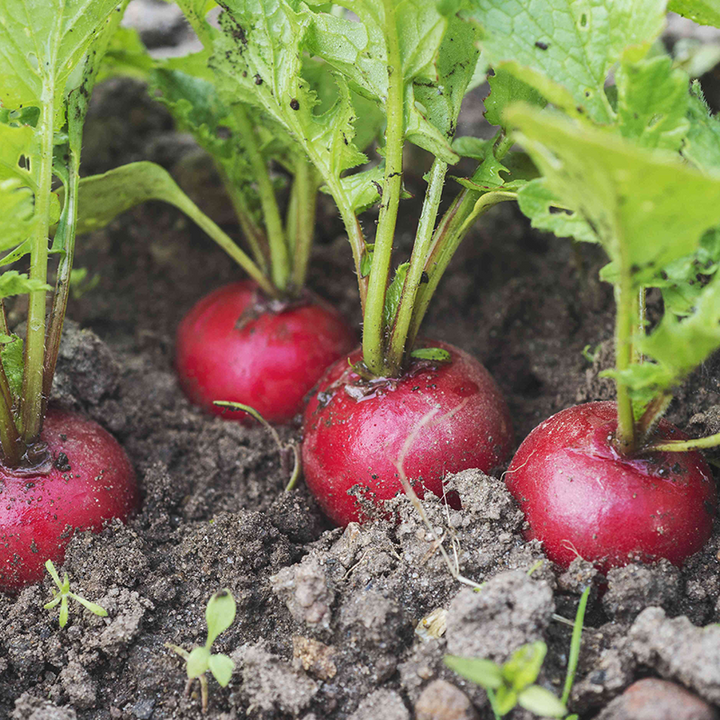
{"x": 85, "y": 480}
{"x": 357, "y": 431}
{"x": 614, "y": 482}
{"x": 581, "y": 498}
{"x": 237, "y": 345}
{"x": 58, "y": 472}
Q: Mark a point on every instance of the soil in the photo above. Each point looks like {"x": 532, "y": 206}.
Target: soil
{"x": 333, "y": 624}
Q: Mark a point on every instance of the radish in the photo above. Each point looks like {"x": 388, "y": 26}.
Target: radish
{"x": 86, "y": 480}
{"x": 356, "y": 430}
{"x": 582, "y": 498}
{"x": 614, "y": 482}
{"x": 58, "y": 472}
{"x": 236, "y": 345}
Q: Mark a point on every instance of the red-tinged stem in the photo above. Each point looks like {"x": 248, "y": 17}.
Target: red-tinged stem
{"x": 301, "y": 216}
{"x": 279, "y": 256}
{"x": 625, "y": 324}
{"x": 710, "y": 441}
{"x": 33, "y": 378}
{"x": 62, "y": 283}
{"x": 9, "y": 436}
{"x": 398, "y": 346}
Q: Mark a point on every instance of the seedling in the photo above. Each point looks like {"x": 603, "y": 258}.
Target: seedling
{"x": 63, "y": 593}
{"x": 48, "y": 64}
{"x": 219, "y": 615}
{"x": 512, "y": 684}
{"x": 287, "y": 450}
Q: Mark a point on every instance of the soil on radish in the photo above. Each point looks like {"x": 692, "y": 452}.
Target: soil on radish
{"x": 328, "y": 623}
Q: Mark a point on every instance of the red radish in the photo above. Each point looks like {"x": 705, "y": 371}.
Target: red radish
{"x": 236, "y": 345}
{"x": 89, "y": 482}
{"x": 355, "y": 430}
{"x": 581, "y": 498}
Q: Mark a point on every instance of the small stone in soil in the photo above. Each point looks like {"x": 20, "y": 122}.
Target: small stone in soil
{"x": 653, "y": 699}
{"x": 441, "y": 700}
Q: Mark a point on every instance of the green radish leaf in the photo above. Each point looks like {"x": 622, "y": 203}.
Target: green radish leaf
{"x": 566, "y": 49}
{"x": 13, "y": 362}
{"x": 652, "y": 103}
{"x": 394, "y": 295}
{"x": 683, "y": 280}
{"x": 542, "y": 702}
{"x": 81, "y": 284}
{"x": 17, "y": 208}
{"x": 702, "y": 147}
{"x": 546, "y": 213}
{"x": 471, "y": 147}
{"x": 524, "y": 665}
{"x": 367, "y": 259}
{"x": 433, "y": 354}
{"x": 16, "y": 142}
{"x": 626, "y": 194}
{"x": 220, "y": 614}
{"x": 196, "y": 13}
{"x": 680, "y": 345}
{"x": 221, "y": 666}
{"x": 435, "y": 80}
{"x": 485, "y": 673}
{"x": 258, "y": 61}
{"x": 103, "y": 197}
{"x": 14, "y": 283}
{"x": 126, "y": 56}
{"x": 64, "y": 29}
{"x": 441, "y": 97}
{"x": 195, "y": 105}
{"x": 505, "y": 88}
{"x": 198, "y": 662}
{"x": 363, "y": 188}
{"x": 703, "y": 12}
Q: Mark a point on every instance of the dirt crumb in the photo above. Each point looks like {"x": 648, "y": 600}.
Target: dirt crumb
{"x": 80, "y": 688}
{"x": 634, "y": 587}
{"x": 270, "y": 683}
{"x": 29, "y": 707}
{"x": 678, "y": 650}
{"x": 314, "y": 657}
{"x": 385, "y": 704}
{"x": 306, "y": 592}
{"x": 509, "y": 610}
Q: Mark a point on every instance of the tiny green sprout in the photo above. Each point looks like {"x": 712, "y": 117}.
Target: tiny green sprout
{"x": 512, "y": 684}
{"x": 62, "y": 594}
{"x": 589, "y": 354}
{"x": 287, "y": 450}
{"x": 219, "y": 614}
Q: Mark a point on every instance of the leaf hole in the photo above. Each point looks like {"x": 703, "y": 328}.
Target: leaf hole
{"x": 553, "y": 210}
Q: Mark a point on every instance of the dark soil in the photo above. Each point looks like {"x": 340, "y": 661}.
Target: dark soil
{"x": 330, "y": 622}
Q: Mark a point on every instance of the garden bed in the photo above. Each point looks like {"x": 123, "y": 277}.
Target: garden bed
{"x": 328, "y": 620}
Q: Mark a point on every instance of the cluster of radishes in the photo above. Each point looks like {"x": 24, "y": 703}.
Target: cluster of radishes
{"x": 392, "y": 410}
